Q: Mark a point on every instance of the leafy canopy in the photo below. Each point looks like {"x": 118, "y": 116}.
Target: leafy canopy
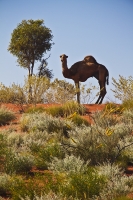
{"x": 29, "y": 41}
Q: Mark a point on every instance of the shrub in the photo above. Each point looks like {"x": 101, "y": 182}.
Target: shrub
{"x": 5, "y": 182}
{"x": 35, "y": 109}
{"x": 117, "y": 184}
{"x": 44, "y": 122}
{"x": 6, "y": 116}
{"x": 78, "y": 120}
{"x": 18, "y": 162}
{"x": 49, "y": 196}
{"x": 83, "y": 185}
{"x": 99, "y": 142}
{"x": 123, "y": 88}
{"x": 60, "y": 91}
{"x": 46, "y": 154}
{"x": 66, "y": 109}
{"x": 12, "y": 94}
{"x": 68, "y": 164}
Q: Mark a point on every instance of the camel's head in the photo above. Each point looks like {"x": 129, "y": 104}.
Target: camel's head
{"x": 63, "y": 58}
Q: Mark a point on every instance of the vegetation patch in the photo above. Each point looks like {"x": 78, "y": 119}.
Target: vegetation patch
{"x": 6, "y": 116}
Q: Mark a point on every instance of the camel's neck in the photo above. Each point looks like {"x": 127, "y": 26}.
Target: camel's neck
{"x": 65, "y": 70}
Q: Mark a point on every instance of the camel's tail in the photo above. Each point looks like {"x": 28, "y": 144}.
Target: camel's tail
{"x": 107, "y": 79}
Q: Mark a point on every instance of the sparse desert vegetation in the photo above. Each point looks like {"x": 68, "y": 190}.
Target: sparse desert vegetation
{"x": 56, "y": 154}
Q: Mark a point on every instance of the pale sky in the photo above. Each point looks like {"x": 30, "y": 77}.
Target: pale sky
{"x": 101, "y": 28}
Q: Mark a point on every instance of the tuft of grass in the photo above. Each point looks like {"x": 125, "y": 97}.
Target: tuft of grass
{"x": 127, "y": 104}
{"x": 112, "y": 108}
{"x": 6, "y": 116}
{"x": 55, "y": 111}
{"x": 35, "y": 109}
{"x": 66, "y": 109}
{"x": 78, "y": 120}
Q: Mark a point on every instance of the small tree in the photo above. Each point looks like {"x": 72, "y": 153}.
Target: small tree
{"x": 29, "y": 41}
{"x": 123, "y": 88}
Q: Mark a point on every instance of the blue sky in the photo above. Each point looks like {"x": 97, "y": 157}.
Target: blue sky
{"x": 102, "y": 28}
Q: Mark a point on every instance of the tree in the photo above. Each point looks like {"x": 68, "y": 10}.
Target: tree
{"x": 29, "y": 41}
{"x": 43, "y": 71}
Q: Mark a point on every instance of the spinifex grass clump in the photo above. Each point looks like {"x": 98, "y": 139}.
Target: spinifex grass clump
{"x": 6, "y": 116}
{"x": 66, "y": 109}
{"x": 38, "y": 109}
{"x": 78, "y": 120}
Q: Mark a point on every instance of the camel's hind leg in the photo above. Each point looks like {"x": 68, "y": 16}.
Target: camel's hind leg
{"x": 102, "y": 92}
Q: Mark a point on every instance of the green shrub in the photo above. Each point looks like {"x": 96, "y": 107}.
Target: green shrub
{"x": 83, "y": 185}
{"x": 34, "y": 109}
{"x": 12, "y": 94}
{"x": 117, "y": 184}
{"x": 66, "y": 109}
{"x": 123, "y": 88}
{"x": 78, "y": 120}
{"x": 68, "y": 164}
{"x": 127, "y": 104}
{"x": 55, "y": 111}
{"x": 6, "y": 116}
{"x": 46, "y": 154}
{"x": 18, "y": 162}
{"x": 44, "y": 122}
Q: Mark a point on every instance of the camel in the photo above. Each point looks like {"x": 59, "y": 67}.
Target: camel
{"x": 82, "y": 70}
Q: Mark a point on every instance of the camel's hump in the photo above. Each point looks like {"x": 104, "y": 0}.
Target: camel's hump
{"x": 90, "y": 59}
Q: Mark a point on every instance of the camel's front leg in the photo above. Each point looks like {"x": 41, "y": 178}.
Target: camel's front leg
{"x": 77, "y": 91}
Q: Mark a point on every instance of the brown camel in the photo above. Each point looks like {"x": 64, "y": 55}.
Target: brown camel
{"x": 82, "y": 70}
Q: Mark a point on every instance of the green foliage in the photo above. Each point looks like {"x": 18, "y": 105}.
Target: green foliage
{"x": 60, "y": 91}
{"x": 29, "y": 41}
{"x": 12, "y": 94}
{"x": 41, "y": 122}
{"x": 88, "y": 94}
{"x": 78, "y": 120}
{"x": 45, "y": 154}
{"x": 127, "y": 104}
{"x": 123, "y": 88}
{"x": 6, "y": 116}
{"x": 33, "y": 109}
{"x": 35, "y": 87}
{"x": 20, "y": 95}
{"x": 16, "y": 162}
{"x": 43, "y": 70}
{"x": 68, "y": 164}
{"x": 84, "y": 185}
{"x": 66, "y": 109}
{"x": 85, "y": 164}
{"x": 117, "y": 184}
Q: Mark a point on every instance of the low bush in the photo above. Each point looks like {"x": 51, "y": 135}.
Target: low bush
{"x": 78, "y": 120}
{"x": 38, "y": 109}
{"x": 68, "y": 164}
{"x": 66, "y": 109}
{"x": 16, "y": 162}
{"x": 6, "y": 116}
{"x": 84, "y": 185}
